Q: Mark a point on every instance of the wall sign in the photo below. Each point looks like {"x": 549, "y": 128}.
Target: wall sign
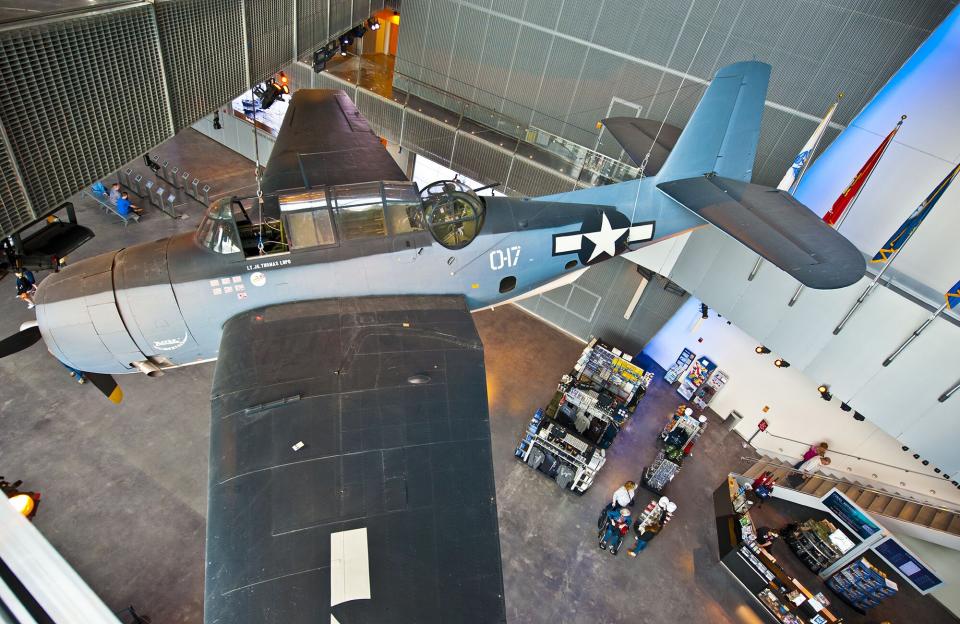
{"x": 849, "y": 514}
{"x": 908, "y": 565}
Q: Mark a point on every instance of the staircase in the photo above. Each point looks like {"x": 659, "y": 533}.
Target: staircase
{"x": 876, "y": 501}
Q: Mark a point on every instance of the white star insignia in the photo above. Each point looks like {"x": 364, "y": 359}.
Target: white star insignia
{"x": 605, "y": 241}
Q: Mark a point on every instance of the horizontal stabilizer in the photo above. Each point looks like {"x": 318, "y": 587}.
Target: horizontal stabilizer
{"x": 775, "y": 225}
{"x": 638, "y": 136}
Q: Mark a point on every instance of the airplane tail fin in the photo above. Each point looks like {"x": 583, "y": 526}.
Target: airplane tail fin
{"x": 721, "y": 136}
{"x": 708, "y": 172}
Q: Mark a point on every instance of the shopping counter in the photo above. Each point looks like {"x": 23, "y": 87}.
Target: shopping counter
{"x": 781, "y": 595}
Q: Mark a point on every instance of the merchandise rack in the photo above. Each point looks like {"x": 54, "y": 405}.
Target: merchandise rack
{"x": 861, "y": 585}
{"x": 584, "y": 417}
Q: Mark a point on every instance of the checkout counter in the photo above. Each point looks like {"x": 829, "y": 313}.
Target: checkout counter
{"x": 782, "y": 596}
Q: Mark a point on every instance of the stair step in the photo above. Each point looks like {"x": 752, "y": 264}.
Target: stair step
{"x": 894, "y": 507}
{"x": 863, "y": 501}
{"x": 909, "y": 511}
{"x": 941, "y": 520}
{"x": 811, "y": 484}
{"x": 754, "y": 471}
{"x": 781, "y": 473}
{"x": 846, "y": 487}
{"x": 879, "y": 503}
{"x": 954, "y": 526}
{"x": 925, "y": 516}
{"x": 825, "y": 487}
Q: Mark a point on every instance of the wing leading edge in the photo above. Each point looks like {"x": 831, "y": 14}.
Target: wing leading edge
{"x": 324, "y": 140}
{"x": 391, "y": 494}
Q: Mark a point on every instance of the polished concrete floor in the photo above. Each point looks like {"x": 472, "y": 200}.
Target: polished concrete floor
{"x": 124, "y": 487}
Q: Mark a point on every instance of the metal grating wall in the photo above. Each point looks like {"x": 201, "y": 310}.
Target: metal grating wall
{"x": 95, "y": 99}
{"x": 201, "y": 76}
{"x": 108, "y": 84}
{"x": 14, "y": 206}
{"x": 560, "y": 66}
{"x": 269, "y": 36}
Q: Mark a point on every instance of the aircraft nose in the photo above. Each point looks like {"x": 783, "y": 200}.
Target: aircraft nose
{"x": 79, "y": 320}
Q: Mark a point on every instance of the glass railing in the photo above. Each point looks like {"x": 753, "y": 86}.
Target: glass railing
{"x": 586, "y": 166}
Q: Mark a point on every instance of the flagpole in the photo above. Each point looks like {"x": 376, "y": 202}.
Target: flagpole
{"x": 925, "y": 207}
{"x": 916, "y": 333}
{"x": 849, "y": 208}
{"x": 803, "y": 170}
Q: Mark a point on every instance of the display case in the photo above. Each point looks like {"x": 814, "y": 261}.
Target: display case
{"x": 862, "y": 586}
{"x": 696, "y": 375}
{"x": 706, "y": 392}
{"x": 682, "y": 363}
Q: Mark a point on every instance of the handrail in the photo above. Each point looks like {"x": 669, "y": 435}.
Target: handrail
{"x": 825, "y": 477}
{"x": 585, "y": 158}
{"x": 829, "y": 450}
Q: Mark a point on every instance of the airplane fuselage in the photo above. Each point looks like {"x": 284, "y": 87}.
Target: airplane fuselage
{"x": 166, "y": 301}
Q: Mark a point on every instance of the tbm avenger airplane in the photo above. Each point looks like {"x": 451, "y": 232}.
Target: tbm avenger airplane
{"x": 349, "y": 407}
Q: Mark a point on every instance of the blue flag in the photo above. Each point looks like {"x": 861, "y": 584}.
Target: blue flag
{"x": 953, "y": 296}
{"x": 904, "y": 232}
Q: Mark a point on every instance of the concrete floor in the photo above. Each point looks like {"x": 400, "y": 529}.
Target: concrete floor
{"x": 124, "y": 487}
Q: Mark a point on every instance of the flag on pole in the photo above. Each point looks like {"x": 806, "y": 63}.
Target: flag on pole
{"x": 833, "y": 216}
{"x": 800, "y": 162}
{"x": 953, "y": 296}
{"x": 905, "y": 231}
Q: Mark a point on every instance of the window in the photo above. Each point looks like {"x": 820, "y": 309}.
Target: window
{"x": 358, "y": 222}
{"x": 453, "y": 213}
{"x": 404, "y": 218}
{"x": 310, "y": 228}
{"x": 217, "y": 231}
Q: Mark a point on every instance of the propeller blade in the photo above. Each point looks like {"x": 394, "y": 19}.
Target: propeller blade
{"x": 107, "y": 385}
{"x": 19, "y": 341}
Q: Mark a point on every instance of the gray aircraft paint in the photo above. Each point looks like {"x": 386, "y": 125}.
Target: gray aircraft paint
{"x": 182, "y": 321}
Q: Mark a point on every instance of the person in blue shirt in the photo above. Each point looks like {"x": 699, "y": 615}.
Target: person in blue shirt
{"x": 26, "y": 286}
{"x": 618, "y": 522}
{"x": 124, "y": 206}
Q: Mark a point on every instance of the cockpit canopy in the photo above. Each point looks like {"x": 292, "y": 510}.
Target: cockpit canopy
{"x": 449, "y": 210}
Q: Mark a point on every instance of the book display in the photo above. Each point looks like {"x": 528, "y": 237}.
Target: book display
{"x": 862, "y": 586}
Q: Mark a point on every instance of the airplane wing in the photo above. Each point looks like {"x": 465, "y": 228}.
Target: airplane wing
{"x": 324, "y": 140}
{"x": 350, "y": 467}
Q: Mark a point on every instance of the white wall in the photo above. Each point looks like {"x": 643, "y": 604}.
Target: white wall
{"x": 796, "y": 409}
{"x": 945, "y": 562}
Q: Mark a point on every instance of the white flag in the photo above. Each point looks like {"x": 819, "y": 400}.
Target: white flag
{"x": 801, "y": 160}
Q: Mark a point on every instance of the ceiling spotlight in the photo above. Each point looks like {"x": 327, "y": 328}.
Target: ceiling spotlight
{"x": 925, "y": 462}
{"x": 845, "y": 407}
{"x": 824, "y": 391}
{"x": 359, "y": 31}
{"x": 762, "y": 350}
{"x": 859, "y": 416}
{"x": 343, "y": 51}
{"x": 704, "y": 310}
{"x": 346, "y": 39}
{"x": 781, "y": 363}
{"x": 936, "y": 470}
{"x": 25, "y": 503}
{"x": 373, "y": 23}
{"x": 916, "y": 455}
{"x": 904, "y": 448}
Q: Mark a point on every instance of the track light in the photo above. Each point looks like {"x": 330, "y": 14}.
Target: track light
{"x": 845, "y": 407}
{"x": 937, "y": 470}
{"x": 343, "y": 51}
{"x": 359, "y": 31}
{"x": 762, "y": 350}
{"x": 925, "y": 462}
{"x": 346, "y": 39}
{"x": 26, "y": 503}
{"x": 916, "y": 455}
{"x": 904, "y": 448}
{"x": 824, "y": 391}
{"x": 859, "y": 416}
{"x": 704, "y": 310}
{"x": 781, "y": 363}
{"x": 373, "y": 24}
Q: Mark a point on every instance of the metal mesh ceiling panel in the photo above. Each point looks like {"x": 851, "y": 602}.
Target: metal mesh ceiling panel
{"x": 384, "y": 115}
{"x": 201, "y": 76}
{"x": 95, "y": 99}
{"x": 481, "y": 160}
{"x": 270, "y": 36}
{"x": 427, "y": 136}
{"x": 533, "y": 180}
{"x": 341, "y": 16}
{"x": 14, "y": 207}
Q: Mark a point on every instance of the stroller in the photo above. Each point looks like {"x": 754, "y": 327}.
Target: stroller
{"x": 622, "y": 526}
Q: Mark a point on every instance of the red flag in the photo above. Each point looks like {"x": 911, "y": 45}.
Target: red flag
{"x": 850, "y": 193}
